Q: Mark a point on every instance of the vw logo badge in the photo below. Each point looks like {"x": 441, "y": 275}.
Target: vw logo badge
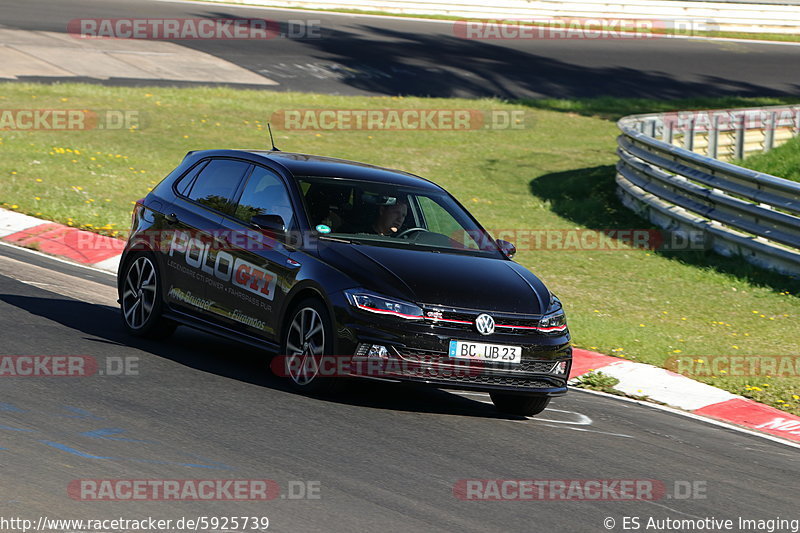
{"x": 485, "y": 324}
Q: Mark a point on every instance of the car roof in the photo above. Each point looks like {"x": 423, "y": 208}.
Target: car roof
{"x": 301, "y": 165}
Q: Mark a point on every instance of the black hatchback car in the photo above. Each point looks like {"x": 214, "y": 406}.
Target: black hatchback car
{"x": 338, "y": 268}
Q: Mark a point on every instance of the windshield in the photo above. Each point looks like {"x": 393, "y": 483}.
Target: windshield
{"x": 389, "y": 215}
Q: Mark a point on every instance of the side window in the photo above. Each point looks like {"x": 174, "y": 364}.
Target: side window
{"x": 440, "y": 221}
{"x": 265, "y": 194}
{"x": 217, "y": 182}
{"x": 186, "y": 182}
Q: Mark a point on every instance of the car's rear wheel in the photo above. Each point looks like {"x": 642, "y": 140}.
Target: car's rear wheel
{"x": 307, "y": 342}
{"x": 140, "y": 300}
{"x": 516, "y": 404}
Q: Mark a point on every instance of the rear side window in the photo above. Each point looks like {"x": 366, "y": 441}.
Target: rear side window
{"x": 186, "y": 182}
{"x": 217, "y": 183}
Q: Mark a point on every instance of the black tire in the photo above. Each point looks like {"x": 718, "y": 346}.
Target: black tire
{"x": 141, "y": 288}
{"x": 307, "y": 339}
{"x": 516, "y": 404}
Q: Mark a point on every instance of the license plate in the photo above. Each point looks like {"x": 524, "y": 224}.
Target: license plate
{"x": 485, "y": 352}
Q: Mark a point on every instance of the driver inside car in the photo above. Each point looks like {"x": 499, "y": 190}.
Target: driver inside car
{"x": 390, "y": 218}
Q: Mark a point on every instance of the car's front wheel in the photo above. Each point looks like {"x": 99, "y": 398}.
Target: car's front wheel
{"x": 516, "y": 404}
{"x": 140, "y": 299}
{"x": 307, "y": 342}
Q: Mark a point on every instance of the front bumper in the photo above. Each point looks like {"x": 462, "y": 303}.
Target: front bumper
{"x": 417, "y": 351}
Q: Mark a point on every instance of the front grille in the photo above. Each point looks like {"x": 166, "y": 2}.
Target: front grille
{"x": 514, "y": 381}
{"x": 464, "y": 320}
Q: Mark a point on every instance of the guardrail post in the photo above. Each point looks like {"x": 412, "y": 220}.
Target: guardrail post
{"x": 738, "y": 149}
{"x": 713, "y": 137}
{"x": 797, "y": 123}
{"x": 688, "y": 137}
{"x": 668, "y": 131}
{"x": 769, "y": 132}
{"x": 651, "y": 128}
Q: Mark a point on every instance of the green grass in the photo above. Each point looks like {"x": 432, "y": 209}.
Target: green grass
{"x": 783, "y": 161}
{"x": 557, "y": 173}
{"x": 660, "y": 31}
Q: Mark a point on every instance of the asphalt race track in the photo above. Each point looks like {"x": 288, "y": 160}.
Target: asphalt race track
{"x": 358, "y": 55}
{"x": 379, "y": 457}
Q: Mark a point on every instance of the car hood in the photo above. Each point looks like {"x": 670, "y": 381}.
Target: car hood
{"x": 445, "y": 279}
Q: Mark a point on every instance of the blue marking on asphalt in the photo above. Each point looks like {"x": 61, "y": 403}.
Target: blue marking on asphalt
{"x": 80, "y": 413}
{"x": 64, "y": 447}
{"x": 106, "y": 433}
{"x": 12, "y": 408}
{"x": 9, "y": 428}
{"x": 79, "y": 453}
{"x": 193, "y": 465}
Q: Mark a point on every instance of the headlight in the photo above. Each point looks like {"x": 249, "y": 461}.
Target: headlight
{"x": 554, "y": 321}
{"x": 375, "y": 303}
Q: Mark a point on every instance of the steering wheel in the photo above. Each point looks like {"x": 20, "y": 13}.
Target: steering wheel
{"x": 402, "y": 234}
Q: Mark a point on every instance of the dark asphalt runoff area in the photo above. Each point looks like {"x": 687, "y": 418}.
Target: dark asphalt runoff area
{"x": 375, "y": 457}
{"x": 396, "y": 56}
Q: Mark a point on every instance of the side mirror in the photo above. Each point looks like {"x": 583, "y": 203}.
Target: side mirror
{"x": 271, "y": 223}
{"x": 507, "y": 248}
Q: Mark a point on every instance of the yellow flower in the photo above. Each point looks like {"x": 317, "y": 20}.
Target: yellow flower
{"x": 795, "y": 397}
{"x": 38, "y": 180}
{"x": 36, "y": 198}
{"x": 677, "y": 351}
{"x": 14, "y": 206}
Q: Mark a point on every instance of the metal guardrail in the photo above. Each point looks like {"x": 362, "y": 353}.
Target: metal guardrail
{"x": 670, "y": 171}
